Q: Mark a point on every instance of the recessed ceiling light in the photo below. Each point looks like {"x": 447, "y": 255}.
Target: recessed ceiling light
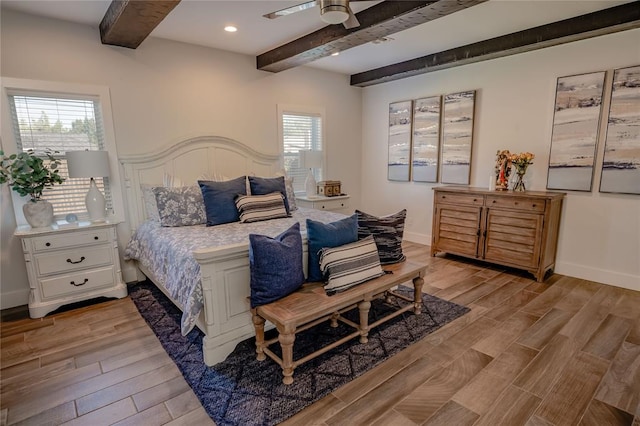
{"x": 335, "y": 53}
{"x": 230, "y": 29}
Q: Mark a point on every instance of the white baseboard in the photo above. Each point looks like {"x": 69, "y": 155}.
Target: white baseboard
{"x": 415, "y": 237}
{"x": 604, "y": 276}
{"x": 14, "y": 298}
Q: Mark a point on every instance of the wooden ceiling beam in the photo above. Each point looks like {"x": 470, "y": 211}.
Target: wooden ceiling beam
{"x": 378, "y": 21}
{"x": 606, "y": 21}
{"x": 128, "y": 22}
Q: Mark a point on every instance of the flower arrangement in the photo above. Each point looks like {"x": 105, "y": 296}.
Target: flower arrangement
{"x": 521, "y": 161}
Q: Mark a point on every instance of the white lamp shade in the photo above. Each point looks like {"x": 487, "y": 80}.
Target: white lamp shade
{"x": 311, "y": 159}
{"x": 87, "y": 164}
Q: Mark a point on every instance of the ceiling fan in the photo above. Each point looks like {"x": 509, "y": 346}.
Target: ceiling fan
{"x": 331, "y": 12}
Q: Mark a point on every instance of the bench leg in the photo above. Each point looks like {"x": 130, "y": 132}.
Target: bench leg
{"x": 418, "y": 282}
{"x": 334, "y": 319}
{"x": 286, "y": 339}
{"x": 258, "y": 324}
{"x": 364, "y": 307}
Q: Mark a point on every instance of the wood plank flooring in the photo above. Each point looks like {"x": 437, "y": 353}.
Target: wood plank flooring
{"x": 562, "y": 352}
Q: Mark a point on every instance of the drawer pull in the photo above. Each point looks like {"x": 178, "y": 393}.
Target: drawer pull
{"x": 494, "y": 201}
{"x": 96, "y": 238}
{"x": 444, "y": 196}
{"x": 341, "y": 204}
{"x": 73, "y": 283}
{"x": 516, "y": 203}
{"x": 71, "y": 261}
{"x": 533, "y": 205}
{"x": 48, "y": 244}
{"x": 475, "y": 199}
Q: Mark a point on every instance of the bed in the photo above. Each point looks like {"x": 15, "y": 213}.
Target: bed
{"x": 213, "y": 262}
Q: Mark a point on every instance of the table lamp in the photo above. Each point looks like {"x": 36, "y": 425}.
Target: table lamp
{"x": 311, "y": 160}
{"x": 90, "y": 164}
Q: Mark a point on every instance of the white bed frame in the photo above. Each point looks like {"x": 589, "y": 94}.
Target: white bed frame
{"x": 225, "y": 318}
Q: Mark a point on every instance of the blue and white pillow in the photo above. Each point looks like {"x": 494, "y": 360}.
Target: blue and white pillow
{"x": 263, "y": 186}
{"x": 182, "y": 206}
{"x": 387, "y": 232}
{"x": 349, "y": 265}
{"x": 254, "y": 208}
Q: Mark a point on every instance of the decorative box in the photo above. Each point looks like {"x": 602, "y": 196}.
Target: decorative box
{"x": 329, "y": 188}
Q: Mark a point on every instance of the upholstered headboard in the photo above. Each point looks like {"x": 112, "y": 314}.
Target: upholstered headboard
{"x": 188, "y": 160}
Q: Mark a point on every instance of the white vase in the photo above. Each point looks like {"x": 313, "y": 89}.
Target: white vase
{"x": 310, "y": 184}
{"x": 38, "y": 214}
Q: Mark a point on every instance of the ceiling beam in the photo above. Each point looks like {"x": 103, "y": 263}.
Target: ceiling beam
{"x": 607, "y": 21}
{"x": 378, "y": 21}
{"x": 128, "y": 22}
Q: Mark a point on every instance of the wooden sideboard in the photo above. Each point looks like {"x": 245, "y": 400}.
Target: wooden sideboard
{"x": 517, "y": 229}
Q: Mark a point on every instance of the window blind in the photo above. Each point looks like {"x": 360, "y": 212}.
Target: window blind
{"x": 61, "y": 124}
{"x": 300, "y": 132}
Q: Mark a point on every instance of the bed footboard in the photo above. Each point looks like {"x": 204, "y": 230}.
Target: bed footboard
{"x": 225, "y": 288}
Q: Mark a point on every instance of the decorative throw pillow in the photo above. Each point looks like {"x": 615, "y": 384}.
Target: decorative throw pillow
{"x": 254, "y": 208}
{"x": 275, "y": 265}
{"x": 349, "y": 265}
{"x": 180, "y": 206}
{"x": 387, "y": 232}
{"x": 321, "y": 235}
{"x": 291, "y": 196}
{"x": 150, "y": 205}
{"x": 220, "y": 200}
{"x": 263, "y": 186}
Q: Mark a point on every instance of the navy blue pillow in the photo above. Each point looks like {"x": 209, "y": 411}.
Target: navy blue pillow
{"x": 220, "y": 199}
{"x": 264, "y": 186}
{"x": 275, "y": 265}
{"x": 321, "y": 235}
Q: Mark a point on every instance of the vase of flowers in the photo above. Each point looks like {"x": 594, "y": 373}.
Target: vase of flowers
{"x": 29, "y": 174}
{"x": 520, "y": 162}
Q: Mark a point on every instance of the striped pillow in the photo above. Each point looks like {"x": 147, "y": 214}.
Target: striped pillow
{"x": 254, "y": 208}
{"x": 349, "y": 265}
{"x": 387, "y": 231}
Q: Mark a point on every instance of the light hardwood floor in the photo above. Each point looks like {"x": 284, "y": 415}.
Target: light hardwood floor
{"x": 562, "y": 352}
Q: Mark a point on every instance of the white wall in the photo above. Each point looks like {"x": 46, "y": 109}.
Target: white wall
{"x": 164, "y": 92}
{"x": 600, "y": 233}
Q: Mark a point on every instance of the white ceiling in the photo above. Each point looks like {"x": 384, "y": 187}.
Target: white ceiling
{"x": 201, "y": 22}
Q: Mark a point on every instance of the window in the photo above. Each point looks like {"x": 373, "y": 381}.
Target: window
{"x": 53, "y": 121}
{"x": 300, "y": 130}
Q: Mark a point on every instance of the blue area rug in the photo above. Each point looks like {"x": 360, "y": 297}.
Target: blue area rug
{"x": 244, "y": 391}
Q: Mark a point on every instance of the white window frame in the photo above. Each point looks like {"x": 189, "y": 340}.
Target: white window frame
{"x": 304, "y": 110}
{"x": 38, "y": 87}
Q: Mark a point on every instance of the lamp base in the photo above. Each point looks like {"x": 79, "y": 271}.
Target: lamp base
{"x": 310, "y": 184}
{"x": 96, "y": 204}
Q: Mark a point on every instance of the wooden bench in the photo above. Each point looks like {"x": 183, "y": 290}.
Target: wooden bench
{"x": 310, "y": 306}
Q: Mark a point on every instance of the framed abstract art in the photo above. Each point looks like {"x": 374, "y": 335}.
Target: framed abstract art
{"x": 574, "y": 136}
{"x": 426, "y": 139}
{"x": 398, "y": 167}
{"x": 621, "y": 164}
{"x": 457, "y": 137}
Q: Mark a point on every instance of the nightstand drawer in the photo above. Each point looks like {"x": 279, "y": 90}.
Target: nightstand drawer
{"x": 52, "y": 242}
{"x": 77, "y": 282}
{"x": 72, "y": 260}
{"x": 331, "y": 204}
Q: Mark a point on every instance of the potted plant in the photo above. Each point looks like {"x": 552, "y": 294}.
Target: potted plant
{"x": 28, "y": 174}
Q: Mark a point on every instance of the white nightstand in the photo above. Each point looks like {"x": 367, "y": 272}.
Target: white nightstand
{"x": 69, "y": 264}
{"x": 339, "y": 203}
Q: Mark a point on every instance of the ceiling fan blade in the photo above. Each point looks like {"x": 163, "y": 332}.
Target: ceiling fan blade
{"x": 290, "y": 10}
{"x": 352, "y": 21}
